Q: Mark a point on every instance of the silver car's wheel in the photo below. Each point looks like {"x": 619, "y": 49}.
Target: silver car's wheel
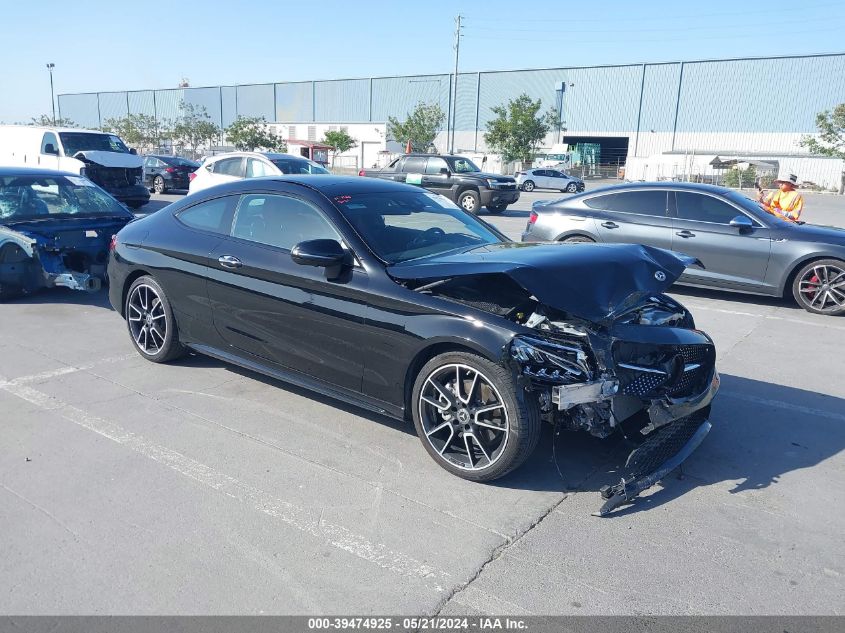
{"x": 819, "y": 287}
{"x": 150, "y": 321}
{"x": 471, "y": 417}
{"x": 528, "y": 185}
{"x": 572, "y": 187}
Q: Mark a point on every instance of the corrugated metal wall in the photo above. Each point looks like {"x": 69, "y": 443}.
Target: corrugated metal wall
{"x": 681, "y": 106}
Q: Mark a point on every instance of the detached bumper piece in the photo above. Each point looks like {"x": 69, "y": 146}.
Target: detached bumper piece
{"x": 656, "y": 457}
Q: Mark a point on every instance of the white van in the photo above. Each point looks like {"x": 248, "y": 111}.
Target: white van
{"x": 102, "y": 157}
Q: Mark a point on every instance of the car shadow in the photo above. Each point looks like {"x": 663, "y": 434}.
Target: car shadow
{"x": 761, "y": 432}
{"x": 66, "y": 296}
{"x": 735, "y": 297}
{"x": 510, "y": 213}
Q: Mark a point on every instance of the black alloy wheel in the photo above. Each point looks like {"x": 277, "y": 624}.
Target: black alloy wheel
{"x": 471, "y": 418}
{"x": 150, "y": 321}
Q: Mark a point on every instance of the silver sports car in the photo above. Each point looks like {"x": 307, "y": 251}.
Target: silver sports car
{"x": 742, "y": 247}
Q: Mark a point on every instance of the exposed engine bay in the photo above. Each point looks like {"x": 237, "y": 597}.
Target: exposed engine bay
{"x": 625, "y": 359}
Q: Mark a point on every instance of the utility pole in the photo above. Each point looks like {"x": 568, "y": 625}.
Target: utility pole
{"x": 455, "y": 83}
{"x": 50, "y": 67}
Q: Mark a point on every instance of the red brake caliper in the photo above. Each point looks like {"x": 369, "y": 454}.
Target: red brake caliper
{"x": 814, "y": 280}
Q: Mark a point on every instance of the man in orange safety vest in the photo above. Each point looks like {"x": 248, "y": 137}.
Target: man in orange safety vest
{"x": 785, "y": 203}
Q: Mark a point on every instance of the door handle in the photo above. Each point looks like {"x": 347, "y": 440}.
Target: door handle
{"x": 685, "y": 234}
{"x": 229, "y": 261}
{"x": 610, "y": 225}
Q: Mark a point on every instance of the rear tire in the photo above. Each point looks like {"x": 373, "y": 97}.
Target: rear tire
{"x": 149, "y": 319}
{"x": 471, "y": 417}
{"x": 469, "y": 201}
{"x": 578, "y": 239}
{"x": 528, "y": 185}
{"x": 819, "y": 287}
{"x": 159, "y": 186}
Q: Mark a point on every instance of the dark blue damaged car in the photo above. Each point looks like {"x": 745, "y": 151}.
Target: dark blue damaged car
{"x": 55, "y": 231}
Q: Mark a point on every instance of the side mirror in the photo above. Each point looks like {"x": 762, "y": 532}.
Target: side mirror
{"x": 133, "y": 151}
{"x": 742, "y": 223}
{"x": 444, "y": 171}
{"x": 328, "y": 254}
{"x": 49, "y": 148}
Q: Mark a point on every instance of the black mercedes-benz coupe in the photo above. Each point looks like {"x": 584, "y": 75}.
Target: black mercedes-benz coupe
{"x": 394, "y": 299}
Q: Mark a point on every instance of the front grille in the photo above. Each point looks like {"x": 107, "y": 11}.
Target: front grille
{"x": 652, "y": 371}
{"x": 114, "y": 177}
{"x": 505, "y": 186}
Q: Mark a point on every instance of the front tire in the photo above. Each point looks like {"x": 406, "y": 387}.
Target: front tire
{"x": 469, "y": 201}
{"x": 472, "y": 418}
{"x": 150, "y": 321}
{"x": 571, "y": 187}
{"x": 159, "y": 186}
{"x": 528, "y": 185}
{"x": 819, "y": 287}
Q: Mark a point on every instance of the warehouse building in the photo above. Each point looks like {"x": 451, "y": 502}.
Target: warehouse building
{"x": 658, "y": 120}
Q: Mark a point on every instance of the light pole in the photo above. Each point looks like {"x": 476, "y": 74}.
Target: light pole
{"x": 50, "y": 67}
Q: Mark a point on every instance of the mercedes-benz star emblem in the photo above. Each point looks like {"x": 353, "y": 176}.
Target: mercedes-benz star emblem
{"x": 660, "y": 275}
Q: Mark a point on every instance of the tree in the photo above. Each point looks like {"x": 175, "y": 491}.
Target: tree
{"x": 45, "y": 120}
{"x": 339, "y": 141}
{"x": 194, "y": 128}
{"x": 830, "y": 140}
{"x": 251, "y": 133}
{"x": 518, "y": 129}
{"x": 143, "y": 131}
{"x": 420, "y": 128}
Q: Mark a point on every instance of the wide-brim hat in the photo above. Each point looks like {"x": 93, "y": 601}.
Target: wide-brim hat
{"x": 792, "y": 179}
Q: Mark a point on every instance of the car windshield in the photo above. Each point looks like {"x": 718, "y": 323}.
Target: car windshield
{"x": 45, "y": 197}
{"x": 287, "y": 166}
{"x": 87, "y": 141}
{"x": 403, "y": 225}
{"x": 462, "y": 165}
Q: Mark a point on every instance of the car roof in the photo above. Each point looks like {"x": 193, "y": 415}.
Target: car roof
{"x": 635, "y": 186}
{"x": 270, "y": 155}
{"x": 33, "y": 171}
{"x": 327, "y": 184}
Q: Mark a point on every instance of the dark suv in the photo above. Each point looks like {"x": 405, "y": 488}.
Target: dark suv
{"x": 455, "y": 177}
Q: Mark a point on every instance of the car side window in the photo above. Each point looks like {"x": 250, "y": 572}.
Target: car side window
{"x": 229, "y": 167}
{"x": 414, "y": 164}
{"x": 638, "y": 202}
{"x": 211, "y": 215}
{"x": 49, "y": 139}
{"x": 256, "y": 168}
{"x": 435, "y": 164}
{"x": 554, "y": 174}
{"x": 280, "y": 221}
{"x": 704, "y": 208}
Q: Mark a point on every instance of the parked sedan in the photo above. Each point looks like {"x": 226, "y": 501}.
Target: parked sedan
{"x": 532, "y": 179}
{"x": 236, "y": 165}
{"x": 741, "y": 246}
{"x": 396, "y": 300}
{"x": 163, "y": 172}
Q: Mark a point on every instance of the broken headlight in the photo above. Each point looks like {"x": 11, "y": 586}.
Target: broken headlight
{"x": 550, "y": 361}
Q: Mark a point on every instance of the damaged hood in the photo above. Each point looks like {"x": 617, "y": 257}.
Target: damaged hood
{"x": 592, "y": 281}
{"x": 110, "y": 159}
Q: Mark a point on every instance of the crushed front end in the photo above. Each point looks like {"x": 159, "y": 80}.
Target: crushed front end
{"x": 646, "y": 373}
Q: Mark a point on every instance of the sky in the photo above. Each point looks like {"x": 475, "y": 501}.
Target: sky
{"x": 100, "y": 45}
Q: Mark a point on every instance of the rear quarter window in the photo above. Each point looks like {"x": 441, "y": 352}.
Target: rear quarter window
{"x": 212, "y": 215}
